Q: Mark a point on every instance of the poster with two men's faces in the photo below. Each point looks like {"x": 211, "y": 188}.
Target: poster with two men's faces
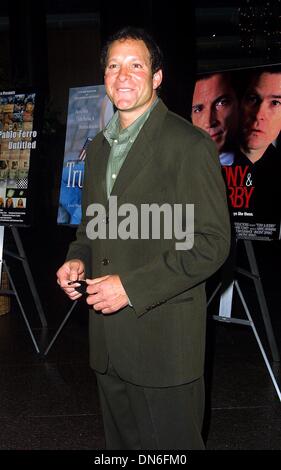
{"x": 241, "y": 111}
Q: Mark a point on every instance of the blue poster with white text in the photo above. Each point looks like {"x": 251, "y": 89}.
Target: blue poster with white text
{"x": 89, "y": 110}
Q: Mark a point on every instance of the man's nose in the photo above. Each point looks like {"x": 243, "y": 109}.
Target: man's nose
{"x": 261, "y": 111}
{"x": 212, "y": 118}
{"x": 123, "y": 72}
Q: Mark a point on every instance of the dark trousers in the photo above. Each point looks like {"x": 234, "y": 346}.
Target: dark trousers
{"x": 138, "y": 417}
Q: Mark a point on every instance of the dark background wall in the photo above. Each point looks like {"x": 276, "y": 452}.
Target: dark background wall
{"x": 56, "y": 45}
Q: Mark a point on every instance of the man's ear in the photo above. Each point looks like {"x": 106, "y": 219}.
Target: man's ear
{"x": 157, "y": 79}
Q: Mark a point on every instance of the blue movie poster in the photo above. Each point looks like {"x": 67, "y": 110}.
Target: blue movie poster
{"x": 89, "y": 110}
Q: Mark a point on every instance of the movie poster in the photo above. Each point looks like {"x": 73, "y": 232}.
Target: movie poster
{"x": 17, "y": 142}
{"x": 89, "y": 110}
{"x": 241, "y": 111}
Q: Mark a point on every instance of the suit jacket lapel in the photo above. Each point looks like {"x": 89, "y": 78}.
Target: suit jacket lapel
{"x": 141, "y": 151}
{"x": 98, "y": 176}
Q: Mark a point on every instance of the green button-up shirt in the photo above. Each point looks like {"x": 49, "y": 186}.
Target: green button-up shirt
{"x": 120, "y": 141}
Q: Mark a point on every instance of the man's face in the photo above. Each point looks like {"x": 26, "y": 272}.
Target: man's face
{"x": 29, "y": 107}
{"x": 215, "y": 109}
{"x": 261, "y": 112}
{"x": 128, "y": 77}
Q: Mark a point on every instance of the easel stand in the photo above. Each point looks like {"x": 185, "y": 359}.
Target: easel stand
{"x": 225, "y": 309}
{"x": 22, "y": 258}
{"x": 60, "y": 328}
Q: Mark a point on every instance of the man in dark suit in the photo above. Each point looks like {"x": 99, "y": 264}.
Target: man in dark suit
{"x": 146, "y": 287}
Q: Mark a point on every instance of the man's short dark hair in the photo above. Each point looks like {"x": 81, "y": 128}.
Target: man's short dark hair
{"x": 268, "y": 69}
{"x": 139, "y": 34}
{"x": 234, "y": 78}
{"x": 254, "y": 75}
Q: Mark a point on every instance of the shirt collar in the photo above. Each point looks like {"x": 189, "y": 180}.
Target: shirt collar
{"x": 113, "y": 132}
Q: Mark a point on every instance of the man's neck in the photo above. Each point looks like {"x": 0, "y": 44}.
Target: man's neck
{"x": 253, "y": 154}
{"x": 126, "y": 118}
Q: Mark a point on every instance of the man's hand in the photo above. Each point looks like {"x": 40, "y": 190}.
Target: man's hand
{"x": 72, "y": 270}
{"x": 106, "y": 294}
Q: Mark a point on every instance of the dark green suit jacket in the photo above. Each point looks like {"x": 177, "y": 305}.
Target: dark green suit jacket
{"x": 161, "y": 340}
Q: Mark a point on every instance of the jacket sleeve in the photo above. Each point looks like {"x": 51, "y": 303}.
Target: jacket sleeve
{"x": 200, "y": 183}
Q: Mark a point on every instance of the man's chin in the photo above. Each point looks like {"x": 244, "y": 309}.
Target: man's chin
{"x": 124, "y": 105}
{"x": 254, "y": 143}
{"x": 124, "y": 109}
{"x": 219, "y": 141}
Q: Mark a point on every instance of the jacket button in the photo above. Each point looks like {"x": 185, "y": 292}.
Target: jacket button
{"x": 105, "y": 261}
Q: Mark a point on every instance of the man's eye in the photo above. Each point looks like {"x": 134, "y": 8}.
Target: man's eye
{"x": 197, "y": 109}
{"x": 276, "y": 102}
{"x": 222, "y": 102}
{"x": 112, "y": 66}
{"x": 136, "y": 66}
